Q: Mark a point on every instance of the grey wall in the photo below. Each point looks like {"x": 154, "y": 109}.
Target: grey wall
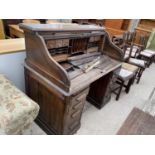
{"x": 12, "y": 66}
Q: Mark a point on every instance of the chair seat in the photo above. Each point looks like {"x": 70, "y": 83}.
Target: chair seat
{"x": 149, "y": 51}
{"x": 125, "y": 74}
{"x": 137, "y": 62}
{"x": 129, "y": 67}
{"x": 146, "y": 54}
{"x": 17, "y": 111}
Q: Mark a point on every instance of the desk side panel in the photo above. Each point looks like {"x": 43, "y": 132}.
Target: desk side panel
{"x": 39, "y": 59}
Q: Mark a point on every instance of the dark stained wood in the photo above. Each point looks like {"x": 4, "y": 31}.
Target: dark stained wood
{"x": 60, "y": 57}
{"x": 84, "y": 56}
{"x": 113, "y": 26}
{"x": 138, "y": 123}
{"x": 58, "y": 114}
{"x": 100, "y": 92}
{"x": 15, "y": 31}
{"x": 59, "y": 86}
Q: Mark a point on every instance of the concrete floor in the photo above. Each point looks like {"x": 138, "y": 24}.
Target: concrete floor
{"x": 109, "y": 119}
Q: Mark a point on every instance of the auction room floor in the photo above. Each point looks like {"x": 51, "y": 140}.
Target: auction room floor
{"x": 109, "y": 119}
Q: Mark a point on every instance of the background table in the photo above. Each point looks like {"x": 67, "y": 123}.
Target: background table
{"x": 15, "y": 31}
{"x": 138, "y": 123}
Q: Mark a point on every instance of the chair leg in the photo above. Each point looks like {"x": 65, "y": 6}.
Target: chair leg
{"x": 133, "y": 79}
{"x": 119, "y": 91}
{"x": 149, "y": 62}
{"x": 129, "y": 85}
{"x": 139, "y": 74}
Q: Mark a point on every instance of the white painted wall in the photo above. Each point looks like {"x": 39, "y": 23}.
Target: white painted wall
{"x": 12, "y": 66}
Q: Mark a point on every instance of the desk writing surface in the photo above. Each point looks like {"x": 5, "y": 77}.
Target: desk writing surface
{"x": 85, "y": 79}
{"x": 12, "y": 45}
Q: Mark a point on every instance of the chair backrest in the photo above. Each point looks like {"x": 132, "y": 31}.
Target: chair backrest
{"x": 131, "y": 37}
{"x": 143, "y": 41}
{"x": 125, "y": 37}
{"x": 128, "y": 41}
{"x": 128, "y": 37}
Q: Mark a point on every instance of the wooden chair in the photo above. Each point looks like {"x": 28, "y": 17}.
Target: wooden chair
{"x": 138, "y": 49}
{"x": 128, "y": 38}
{"x": 141, "y": 64}
{"x": 130, "y": 41}
{"x": 126, "y": 75}
{"x": 139, "y": 44}
{"x": 130, "y": 49}
{"x": 31, "y": 21}
{"x": 146, "y": 54}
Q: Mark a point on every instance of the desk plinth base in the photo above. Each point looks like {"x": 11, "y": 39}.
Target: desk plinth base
{"x": 99, "y": 93}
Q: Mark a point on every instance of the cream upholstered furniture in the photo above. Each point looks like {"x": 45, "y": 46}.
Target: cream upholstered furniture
{"x": 147, "y": 55}
{"x": 141, "y": 64}
{"x": 124, "y": 78}
{"x": 17, "y": 111}
{"x": 131, "y": 51}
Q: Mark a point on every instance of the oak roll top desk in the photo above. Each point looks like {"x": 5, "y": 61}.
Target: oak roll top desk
{"x": 65, "y": 65}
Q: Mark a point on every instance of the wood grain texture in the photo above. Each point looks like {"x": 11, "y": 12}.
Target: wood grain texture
{"x": 100, "y": 92}
{"x": 112, "y": 32}
{"x": 12, "y": 45}
{"x": 114, "y": 23}
{"x": 138, "y": 123}
{"x": 58, "y": 114}
{"x": 15, "y": 31}
{"x": 2, "y": 34}
{"x": 60, "y": 88}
